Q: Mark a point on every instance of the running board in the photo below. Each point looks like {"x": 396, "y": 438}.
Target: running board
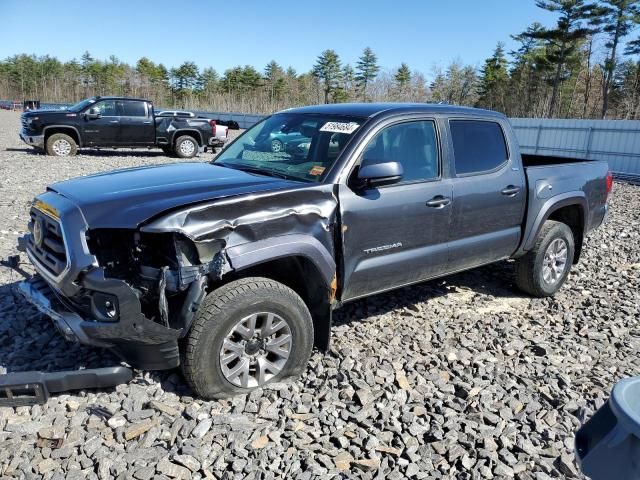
{"x": 32, "y": 388}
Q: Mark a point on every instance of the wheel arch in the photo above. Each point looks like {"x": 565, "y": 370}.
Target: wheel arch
{"x": 571, "y": 209}
{"x": 66, "y": 129}
{"x": 299, "y": 261}
{"x": 190, "y": 132}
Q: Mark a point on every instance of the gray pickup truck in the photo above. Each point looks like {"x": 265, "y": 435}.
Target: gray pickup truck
{"x": 232, "y": 268}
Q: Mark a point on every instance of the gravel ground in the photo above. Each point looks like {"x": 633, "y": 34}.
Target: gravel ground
{"x": 456, "y": 378}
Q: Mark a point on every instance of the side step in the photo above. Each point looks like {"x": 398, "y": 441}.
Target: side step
{"x": 32, "y": 388}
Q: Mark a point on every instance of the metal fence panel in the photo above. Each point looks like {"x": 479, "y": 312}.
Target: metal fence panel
{"x": 616, "y": 141}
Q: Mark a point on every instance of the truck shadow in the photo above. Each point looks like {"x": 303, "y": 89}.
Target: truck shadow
{"x": 494, "y": 280}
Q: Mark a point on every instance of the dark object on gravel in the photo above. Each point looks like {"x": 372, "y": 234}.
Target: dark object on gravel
{"x": 232, "y": 124}
{"x": 608, "y": 445}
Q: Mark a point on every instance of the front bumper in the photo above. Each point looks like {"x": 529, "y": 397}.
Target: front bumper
{"x": 142, "y": 343}
{"x": 32, "y": 140}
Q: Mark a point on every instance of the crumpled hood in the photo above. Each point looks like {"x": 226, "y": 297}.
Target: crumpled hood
{"x": 126, "y": 198}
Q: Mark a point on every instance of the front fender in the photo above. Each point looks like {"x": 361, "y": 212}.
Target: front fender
{"x": 255, "y": 253}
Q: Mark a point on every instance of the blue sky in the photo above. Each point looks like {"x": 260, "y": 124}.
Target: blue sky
{"x": 222, "y": 33}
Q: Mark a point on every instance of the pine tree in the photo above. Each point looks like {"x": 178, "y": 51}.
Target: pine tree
{"x": 403, "y": 77}
{"x": 617, "y": 20}
{"x": 366, "y": 71}
{"x": 565, "y": 38}
{"x": 274, "y": 78}
{"x": 494, "y": 80}
{"x": 328, "y": 70}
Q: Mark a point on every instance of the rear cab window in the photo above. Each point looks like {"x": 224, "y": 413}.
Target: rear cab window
{"x": 132, "y": 108}
{"x": 479, "y": 146}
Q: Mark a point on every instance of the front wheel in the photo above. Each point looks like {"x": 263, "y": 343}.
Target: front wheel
{"x": 61, "y": 145}
{"x": 186, "y": 147}
{"x": 543, "y": 270}
{"x": 246, "y": 334}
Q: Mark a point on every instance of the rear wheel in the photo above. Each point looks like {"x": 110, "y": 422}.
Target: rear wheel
{"x": 246, "y": 334}
{"x": 61, "y": 145}
{"x": 543, "y": 270}
{"x": 186, "y": 147}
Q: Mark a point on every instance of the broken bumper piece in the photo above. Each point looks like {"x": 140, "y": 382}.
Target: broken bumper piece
{"x": 32, "y": 388}
{"x": 142, "y": 343}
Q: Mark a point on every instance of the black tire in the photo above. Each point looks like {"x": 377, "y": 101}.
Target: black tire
{"x": 182, "y": 151}
{"x": 529, "y": 269}
{"x": 61, "y": 142}
{"x": 221, "y": 311}
{"x": 168, "y": 151}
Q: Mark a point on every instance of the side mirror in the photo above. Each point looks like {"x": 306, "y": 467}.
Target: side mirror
{"x": 378, "y": 174}
{"x": 93, "y": 113}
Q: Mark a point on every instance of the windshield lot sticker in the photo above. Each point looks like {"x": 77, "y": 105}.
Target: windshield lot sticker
{"x": 316, "y": 170}
{"x": 339, "y": 127}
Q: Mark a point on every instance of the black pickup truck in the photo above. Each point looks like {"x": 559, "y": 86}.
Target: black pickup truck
{"x": 115, "y": 122}
{"x": 232, "y": 268}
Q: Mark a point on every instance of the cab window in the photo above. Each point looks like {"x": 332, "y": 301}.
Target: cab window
{"x": 412, "y": 144}
{"x": 107, "y": 108}
{"x": 478, "y": 146}
{"x": 133, "y": 109}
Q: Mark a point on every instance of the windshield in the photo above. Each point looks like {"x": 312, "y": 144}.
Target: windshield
{"x": 291, "y": 145}
{"x": 82, "y": 105}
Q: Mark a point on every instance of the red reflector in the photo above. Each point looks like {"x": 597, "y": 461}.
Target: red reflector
{"x": 609, "y": 182}
{"x": 213, "y": 126}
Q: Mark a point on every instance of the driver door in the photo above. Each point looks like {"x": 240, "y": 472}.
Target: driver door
{"x": 397, "y": 234}
{"x": 104, "y": 130}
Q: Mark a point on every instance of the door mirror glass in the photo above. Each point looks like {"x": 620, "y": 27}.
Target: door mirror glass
{"x": 93, "y": 113}
{"x": 382, "y": 173}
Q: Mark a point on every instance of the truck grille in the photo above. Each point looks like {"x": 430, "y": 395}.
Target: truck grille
{"x": 25, "y": 124}
{"x": 49, "y": 247}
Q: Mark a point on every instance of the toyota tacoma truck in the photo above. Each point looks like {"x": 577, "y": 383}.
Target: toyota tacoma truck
{"x": 102, "y": 122}
{"x": 232, "y": 269}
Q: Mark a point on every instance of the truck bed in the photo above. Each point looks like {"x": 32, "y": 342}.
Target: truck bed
{"x": 531, "y": 160}
{"x": 549, "y": 178}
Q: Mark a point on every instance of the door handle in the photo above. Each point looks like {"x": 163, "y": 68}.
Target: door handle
{"x": 510, "y": 191}
{"x": 114, "y": 121}
{"x": 439, "y": 201}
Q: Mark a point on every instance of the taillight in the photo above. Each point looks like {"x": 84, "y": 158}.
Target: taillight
{"x": 609, "y": 182}
{"x": 213, "y": 126}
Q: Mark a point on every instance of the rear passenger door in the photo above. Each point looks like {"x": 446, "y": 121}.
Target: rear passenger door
{"x": 488, "y": 194}
{"x": 136, "y": 123}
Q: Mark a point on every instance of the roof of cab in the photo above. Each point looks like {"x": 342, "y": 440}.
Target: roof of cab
{"x": 373, "y": 109}
{"x": 111, "y": 97}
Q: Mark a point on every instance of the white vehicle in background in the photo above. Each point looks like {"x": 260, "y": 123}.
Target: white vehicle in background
{"x": 220, "y": 132}
{"x": 175, "y": 113}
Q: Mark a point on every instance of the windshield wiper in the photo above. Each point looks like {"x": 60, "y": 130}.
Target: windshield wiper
{"x": 260, "y": 171}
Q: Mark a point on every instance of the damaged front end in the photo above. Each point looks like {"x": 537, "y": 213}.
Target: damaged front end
{"x": 132, "y": 292}
{"x": 168, "y": 272}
